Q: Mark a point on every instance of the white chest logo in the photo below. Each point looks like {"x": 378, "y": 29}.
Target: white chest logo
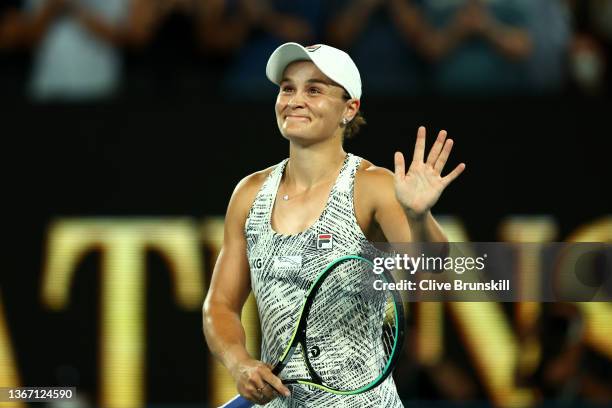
{"x": 287, "y": 262}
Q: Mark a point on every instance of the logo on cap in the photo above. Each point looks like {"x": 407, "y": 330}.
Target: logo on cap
{"x": 313, "y": 48}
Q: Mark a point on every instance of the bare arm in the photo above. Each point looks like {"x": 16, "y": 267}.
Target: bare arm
{"x": 408, "y": 19}
{"x": 433, "y": 43}
{"x": 287, "y": 27}
{"x": 19, "y": 29}
{"x": 38, "y": 25}
{"x": 513, "y": 42}
{"x": 220, "y": 33}
{"x": 229, "y": 289}
{"x": 134, "y": 31}
{"x": 346, "y": 26}
{"x": 396, "y": 223}
{"x": 471, "y": 20}
{"x": 426, "y": 228}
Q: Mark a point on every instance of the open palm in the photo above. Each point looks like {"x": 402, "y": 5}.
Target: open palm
{"x": 419, "y": 189}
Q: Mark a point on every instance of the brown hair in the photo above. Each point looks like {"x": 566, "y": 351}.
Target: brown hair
{"x": 352, "y": 128}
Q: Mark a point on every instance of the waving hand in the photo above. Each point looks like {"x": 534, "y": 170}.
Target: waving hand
{"x": 419, "y": 189}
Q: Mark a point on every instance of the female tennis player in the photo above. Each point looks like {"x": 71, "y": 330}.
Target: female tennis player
{"x": 284, "y": 223}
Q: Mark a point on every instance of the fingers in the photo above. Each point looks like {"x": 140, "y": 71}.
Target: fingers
{"x": 453, "y": 174}
{"x": 434, "y": 153}
{"x": 400, "y": 166}
{"x": 266, "y": 393}
{"x": 263, "y": 391}
{"x": 441, "y": 161}
{"x": 254, "y": 384}
{"x": 419, "y": 147}
{"x": 254, "y": 387}
{"x": 275, "y": 384}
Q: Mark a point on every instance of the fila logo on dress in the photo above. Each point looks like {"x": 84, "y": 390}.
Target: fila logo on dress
{"x": 325, "y": 241}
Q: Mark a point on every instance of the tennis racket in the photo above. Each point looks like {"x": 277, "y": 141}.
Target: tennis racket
{"x": 350, "y": 334}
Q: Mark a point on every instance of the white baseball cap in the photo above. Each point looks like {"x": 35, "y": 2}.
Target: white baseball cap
{"x": 334, "y": 63}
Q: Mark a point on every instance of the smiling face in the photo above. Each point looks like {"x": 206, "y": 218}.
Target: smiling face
{"x": 310, "y": 106}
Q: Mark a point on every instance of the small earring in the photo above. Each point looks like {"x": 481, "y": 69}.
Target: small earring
{"x": 345, "y": 121}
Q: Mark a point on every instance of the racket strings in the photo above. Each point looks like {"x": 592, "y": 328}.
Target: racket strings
{"x": 350, "y": 333}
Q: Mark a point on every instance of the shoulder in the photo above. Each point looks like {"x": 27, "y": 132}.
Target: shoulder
{"x": 246, "y": 190}
{"x": 374, "y": 194}
{"x": 374, "y": 187}
{"x": 370, "y": 176}
{"x": 253, "y": 181}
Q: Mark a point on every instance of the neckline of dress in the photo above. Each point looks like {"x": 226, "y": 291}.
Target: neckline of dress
{"x": 279, "y": 177}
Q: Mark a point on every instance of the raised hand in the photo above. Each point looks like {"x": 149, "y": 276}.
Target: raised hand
{"x": 419, "y": 189}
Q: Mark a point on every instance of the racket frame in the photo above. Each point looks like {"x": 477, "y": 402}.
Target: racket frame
{"x": 298, "y": 336}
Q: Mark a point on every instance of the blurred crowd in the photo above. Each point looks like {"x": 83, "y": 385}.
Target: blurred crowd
{"x": 90, "y": 50}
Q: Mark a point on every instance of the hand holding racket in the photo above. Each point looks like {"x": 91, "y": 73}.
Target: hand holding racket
{"x": 256, "y": 382}
{"x": 349, "y": 334}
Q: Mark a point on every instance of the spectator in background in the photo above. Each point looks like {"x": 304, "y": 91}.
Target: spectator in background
{"x": 19, "y": 32}
{"x": 274, "y": 22}
{"x": 477, "y": 46}
{"x": 377, "y": 34}
{"x": 172, "y": 46}
{"x": 550, "y": 31}
{"x": 591, "y": 46}
{"x": 184, "y": 46}
{"x": 71, "y": 63}
{"x": 224, "y": 25}
{"x": 224, "y": 28}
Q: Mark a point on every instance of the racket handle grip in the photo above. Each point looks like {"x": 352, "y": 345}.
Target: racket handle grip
{"x": 238, "y": 402}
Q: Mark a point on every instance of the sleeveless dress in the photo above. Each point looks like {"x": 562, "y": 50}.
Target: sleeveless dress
{"x": 283, "y": 267}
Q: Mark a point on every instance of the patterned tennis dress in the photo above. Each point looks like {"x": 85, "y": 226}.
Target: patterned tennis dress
{"x": 283, "y": 267}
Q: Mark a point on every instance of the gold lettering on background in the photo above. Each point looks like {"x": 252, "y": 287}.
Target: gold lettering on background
{"x": 489, "y": 339}
{"x": 123, "y": 244}
{"x": 598, "y": 315}
{"x": 429, "y": 333}
{"x": 528, "y": 229}
{"x": 485, "y": 330}
{"x": 8, "y": 369}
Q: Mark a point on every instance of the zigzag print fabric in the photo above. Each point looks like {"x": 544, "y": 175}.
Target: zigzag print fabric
{"x": 283, "y": 267}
